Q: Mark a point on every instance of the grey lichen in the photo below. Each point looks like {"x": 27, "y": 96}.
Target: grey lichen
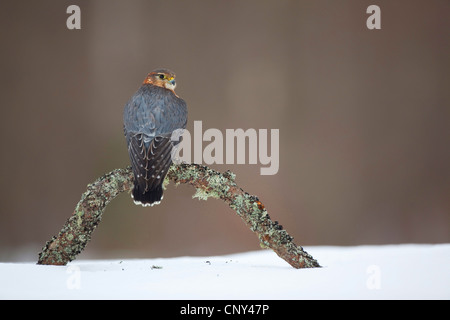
{"x": 201, "y": 194}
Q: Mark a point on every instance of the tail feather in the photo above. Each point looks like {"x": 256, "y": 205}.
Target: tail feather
{"x": 150, "y": 165}
{"x": 147, "y": 198}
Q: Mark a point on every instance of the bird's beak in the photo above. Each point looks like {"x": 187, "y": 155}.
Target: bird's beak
{"x": 172, "y": 82}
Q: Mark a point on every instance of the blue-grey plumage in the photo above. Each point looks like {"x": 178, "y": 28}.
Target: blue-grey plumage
{"x": 150, "y": 117}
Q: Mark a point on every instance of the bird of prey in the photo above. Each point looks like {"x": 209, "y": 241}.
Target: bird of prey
{"x": 150, "y": 117}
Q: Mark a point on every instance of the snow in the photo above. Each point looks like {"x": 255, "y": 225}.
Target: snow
{"x": 363, "y": 272}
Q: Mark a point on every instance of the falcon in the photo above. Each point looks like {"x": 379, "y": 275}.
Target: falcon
{"x": 150, "y": 117}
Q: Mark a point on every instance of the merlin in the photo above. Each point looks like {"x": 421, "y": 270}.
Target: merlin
{"x": 150, "y": 117}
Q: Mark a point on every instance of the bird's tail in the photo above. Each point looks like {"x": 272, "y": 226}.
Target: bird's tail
{"x": 149, "y": 197}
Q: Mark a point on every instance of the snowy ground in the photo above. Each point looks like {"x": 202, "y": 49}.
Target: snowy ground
{"x": 364, "y": 272}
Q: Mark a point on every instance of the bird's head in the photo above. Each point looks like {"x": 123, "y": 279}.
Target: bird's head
{"x": 163, "y": 78}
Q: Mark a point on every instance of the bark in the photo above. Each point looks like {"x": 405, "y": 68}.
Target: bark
{"x": 77, "y": 231}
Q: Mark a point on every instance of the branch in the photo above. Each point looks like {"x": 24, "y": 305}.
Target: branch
{"x": 76, "y": 232}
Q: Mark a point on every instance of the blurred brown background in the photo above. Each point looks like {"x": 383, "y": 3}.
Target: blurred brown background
{"x": 364, "y": 119}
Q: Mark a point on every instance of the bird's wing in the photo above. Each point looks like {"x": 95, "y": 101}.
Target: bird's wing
{"x": 150, "y": 164}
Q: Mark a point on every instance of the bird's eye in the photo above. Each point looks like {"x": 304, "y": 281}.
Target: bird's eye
{"x": 161, "y": 76}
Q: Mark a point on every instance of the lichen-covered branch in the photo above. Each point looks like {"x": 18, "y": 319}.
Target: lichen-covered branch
{"x": 77, "y": 231}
